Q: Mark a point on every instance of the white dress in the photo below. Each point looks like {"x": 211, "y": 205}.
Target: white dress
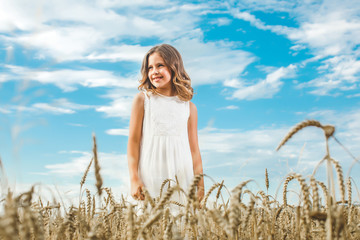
{"x": 165, "y": 150}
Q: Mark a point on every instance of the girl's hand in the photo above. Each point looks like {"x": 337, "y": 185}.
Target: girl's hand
{"x": 137, "y": 190}
{"x": 200, "y": 194}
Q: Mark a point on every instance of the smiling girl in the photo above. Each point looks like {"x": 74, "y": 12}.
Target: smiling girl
{"x": 163, "y": 140}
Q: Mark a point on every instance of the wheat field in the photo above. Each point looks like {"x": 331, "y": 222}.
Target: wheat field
{"x": 320, "y": 214}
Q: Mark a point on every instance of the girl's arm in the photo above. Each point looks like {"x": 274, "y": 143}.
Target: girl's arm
{"x": 133, "y": 148}
{"x": 194, "y": 147}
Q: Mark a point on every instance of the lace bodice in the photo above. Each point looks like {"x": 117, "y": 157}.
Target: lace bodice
{"x": 168, "y": 115}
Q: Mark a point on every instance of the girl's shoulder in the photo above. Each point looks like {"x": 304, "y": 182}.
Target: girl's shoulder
{"x": 139, "y": 99}
{"x": 192, "y": 107}
{"x": 140, "y": 95}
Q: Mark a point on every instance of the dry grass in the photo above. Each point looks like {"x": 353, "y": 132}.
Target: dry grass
{"x": 263, "y": 217}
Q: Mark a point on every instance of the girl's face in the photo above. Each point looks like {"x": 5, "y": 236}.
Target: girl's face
{"x": 158, "y": 73}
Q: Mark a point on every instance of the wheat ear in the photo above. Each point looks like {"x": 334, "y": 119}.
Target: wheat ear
{"x": 349, "y": 190}
{"x": 305, "y": 191}
{"x": 203, "y": 202}
{"x": 267, "y": 184}
{"x": 164, "y": 221}
{"x": 166, "y": 197}
{"x": 234, "y": 210}
{"x": 340, "y": 178}
{"x": 150, "y": 222}
{"x": 148, "y": 198}
{"x": 325, "y": 192}
{"x": 287, "y": 180}
{"x": 298, "y": 128}
{"x": 192, "y": 188}
{"x": 249, "y": 212}
{"x": 168, "y": 233}
{"x": 83, "y": 179}
{"x": 130, "y": 233}
{"x": 163, "y": 185}
{"x": 315, "y": 194}
{"x": 98, "y": 177}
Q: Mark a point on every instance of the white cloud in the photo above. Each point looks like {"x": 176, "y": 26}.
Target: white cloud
{"x": 61, "y": 43}
{"x": 339, "y": 73}
{"x": 121, "y": 96}
{"x": 114, "y": 169}
{"x": 264, "y": 5}
{"x": 13, "y": 17}
{"x": 118, "y": 131}
{"x": 120, "y": 107}
{"x": 212, "y": 62}
{"x": 234, "y": 83}
{"x": 266, "y": 88}
{"x": 57, "y": 106}
{"x": 246, "y": 16}
{"x": 48, "y": 108}
{"x": 121, "y": 102}
{"x": 353, "y": 95}
{"x": 85, "y": 31}
{"x": 4, "y": 110}
{"x": 133, "y": 53}
{"x": 221, "y": 21}
{"x": 230, "y": 107}
{"x": 86, "y": 28}
{"x": 77, "y": 124}
{"x": 112, "y": 164}
{"x": 134, "y": 3}
{"x": 329, "y": 29}
{"x": 68, "y": 79}
{"x": 74, "y": 168}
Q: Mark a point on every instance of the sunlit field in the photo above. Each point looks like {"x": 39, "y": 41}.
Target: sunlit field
{"x": 325, "y": 210}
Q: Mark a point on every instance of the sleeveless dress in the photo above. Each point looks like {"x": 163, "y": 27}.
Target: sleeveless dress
{"x": 164, "y": 149}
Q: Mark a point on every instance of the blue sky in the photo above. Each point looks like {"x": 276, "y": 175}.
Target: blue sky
{"x": 69, "y": 69}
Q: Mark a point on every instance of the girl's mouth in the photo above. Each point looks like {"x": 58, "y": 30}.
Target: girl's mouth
{"x": 156, "y": 79}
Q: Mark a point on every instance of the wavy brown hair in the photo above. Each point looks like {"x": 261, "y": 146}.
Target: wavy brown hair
{"x": 181, "y": 81}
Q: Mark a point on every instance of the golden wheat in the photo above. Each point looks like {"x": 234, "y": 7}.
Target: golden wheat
{"x": 262, "y": 217}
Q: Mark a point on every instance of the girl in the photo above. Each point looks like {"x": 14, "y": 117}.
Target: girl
{"x": 163, "y": 141}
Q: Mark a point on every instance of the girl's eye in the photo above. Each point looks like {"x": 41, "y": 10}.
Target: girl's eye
{"x": 149, "y": 68}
